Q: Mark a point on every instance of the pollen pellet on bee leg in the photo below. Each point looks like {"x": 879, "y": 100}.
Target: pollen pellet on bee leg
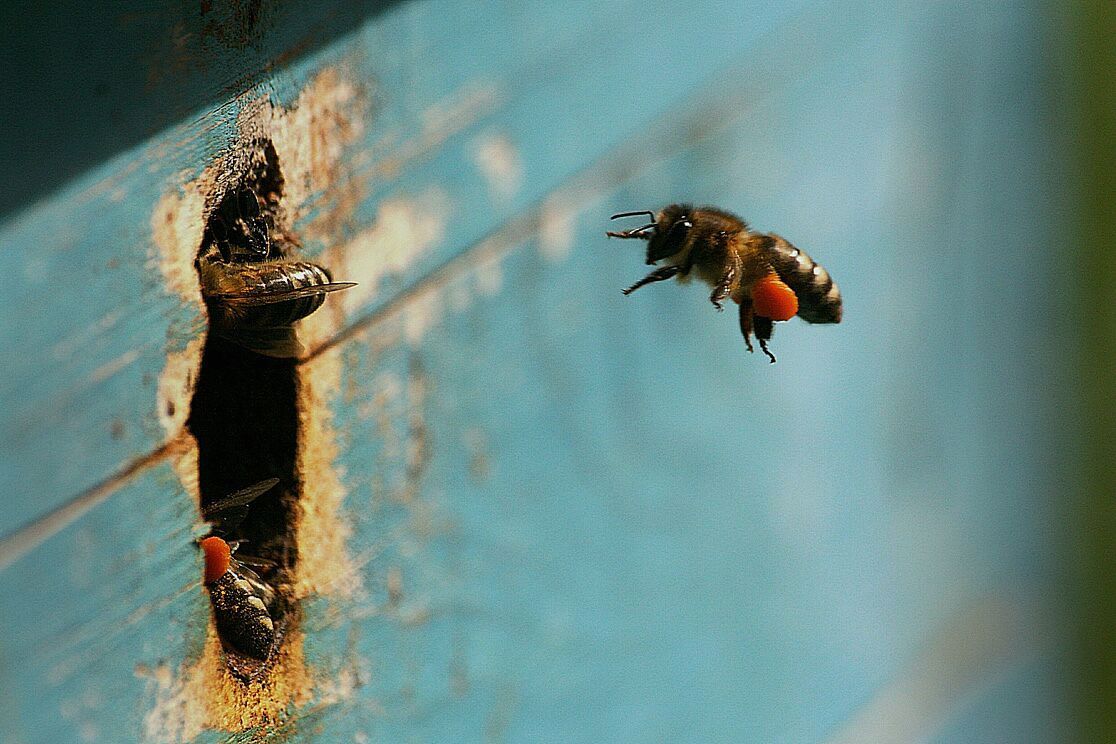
{"x": 257, "y": 603}
{"x": 774, "y": 299}
{"x": 218, "y": 555}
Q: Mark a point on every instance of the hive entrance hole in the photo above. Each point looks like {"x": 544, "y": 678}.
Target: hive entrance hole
{"x": 244, "y": 419}
{"x": 243, "y": 414}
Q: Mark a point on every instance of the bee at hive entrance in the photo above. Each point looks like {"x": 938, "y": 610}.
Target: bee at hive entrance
{"x": 244, "y": 412}
{"x": 254, "y": 287}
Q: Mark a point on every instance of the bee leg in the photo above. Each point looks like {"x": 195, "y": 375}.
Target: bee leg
{"x": 219, "y": 234}
{"x": 657, "y": 275}
{"x": 746, "y": 322}
{"x": 721, "y": 291}
{"x": 259, "y": 238}
{"x": 643, "y": 233}
{"x": 765, "y": 327}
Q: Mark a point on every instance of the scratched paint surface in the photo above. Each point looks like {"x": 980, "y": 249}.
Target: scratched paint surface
{"x": 578, "y": 516}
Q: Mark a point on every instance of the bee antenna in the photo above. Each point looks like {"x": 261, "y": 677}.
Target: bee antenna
{"x": 647, "y": 212}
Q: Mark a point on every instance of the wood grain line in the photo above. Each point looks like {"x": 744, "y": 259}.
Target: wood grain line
{"x": 30, "y": 536}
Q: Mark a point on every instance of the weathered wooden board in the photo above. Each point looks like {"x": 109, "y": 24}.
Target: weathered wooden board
{"x": 124, "y": 73}
{"x": 99, "y": 613}
{"x": 546, "y": 511}
{"x": 431, "y": 158}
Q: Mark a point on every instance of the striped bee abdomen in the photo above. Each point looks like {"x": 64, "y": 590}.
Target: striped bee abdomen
{"x": 255, "y": 304}
{"x": 275, "y": 278}
{"x": 819, "y": 300}
{"x": 242, "y": 616}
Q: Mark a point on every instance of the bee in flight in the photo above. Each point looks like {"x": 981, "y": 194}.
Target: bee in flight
{"x": 253, "y": 295}
{"x": 768, "y": 277}
{"x": 244, "y": 605}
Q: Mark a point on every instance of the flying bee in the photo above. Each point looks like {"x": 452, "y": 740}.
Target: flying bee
{"x": 243, "y": 603}
{"x": 768, "y": 277}
{"x": 255, "y": 298}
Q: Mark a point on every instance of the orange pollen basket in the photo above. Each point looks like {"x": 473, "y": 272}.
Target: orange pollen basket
{"x": 217, "y": 558}
{"x": 771, "y": 298}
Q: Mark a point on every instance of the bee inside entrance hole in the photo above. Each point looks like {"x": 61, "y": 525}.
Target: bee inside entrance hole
{"x": 244, "y": 411}
{"x": 245, "y": 421}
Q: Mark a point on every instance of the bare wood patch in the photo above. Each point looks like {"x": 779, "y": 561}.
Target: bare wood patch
{"x": 176, "y": 386}
{"x": 205, "y": 695}
{"x": 324, "y": 565}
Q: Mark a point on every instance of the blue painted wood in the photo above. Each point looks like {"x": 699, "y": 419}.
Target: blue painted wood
{"x": 98, "y": 613}
{"x": 579, "y": 516}
{"x": 127, "y": 71}
{"x": 102, "y": 363}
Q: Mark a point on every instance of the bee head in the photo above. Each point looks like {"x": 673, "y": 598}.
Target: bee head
{"x": 666, "y": 233}
{"x": 672, "y": 228}
{"x": 239, "y": 228}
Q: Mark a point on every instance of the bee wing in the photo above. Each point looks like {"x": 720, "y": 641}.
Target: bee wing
{"x": 246, "y": 572}
{"x": 261, "y": 588}
{"x": 253, "y": 561}
{"x": 257, "y": 297}
{"x": 243, "y": 497}
{"x": 228, "y": 520}
{"x": 279, "y": 343}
